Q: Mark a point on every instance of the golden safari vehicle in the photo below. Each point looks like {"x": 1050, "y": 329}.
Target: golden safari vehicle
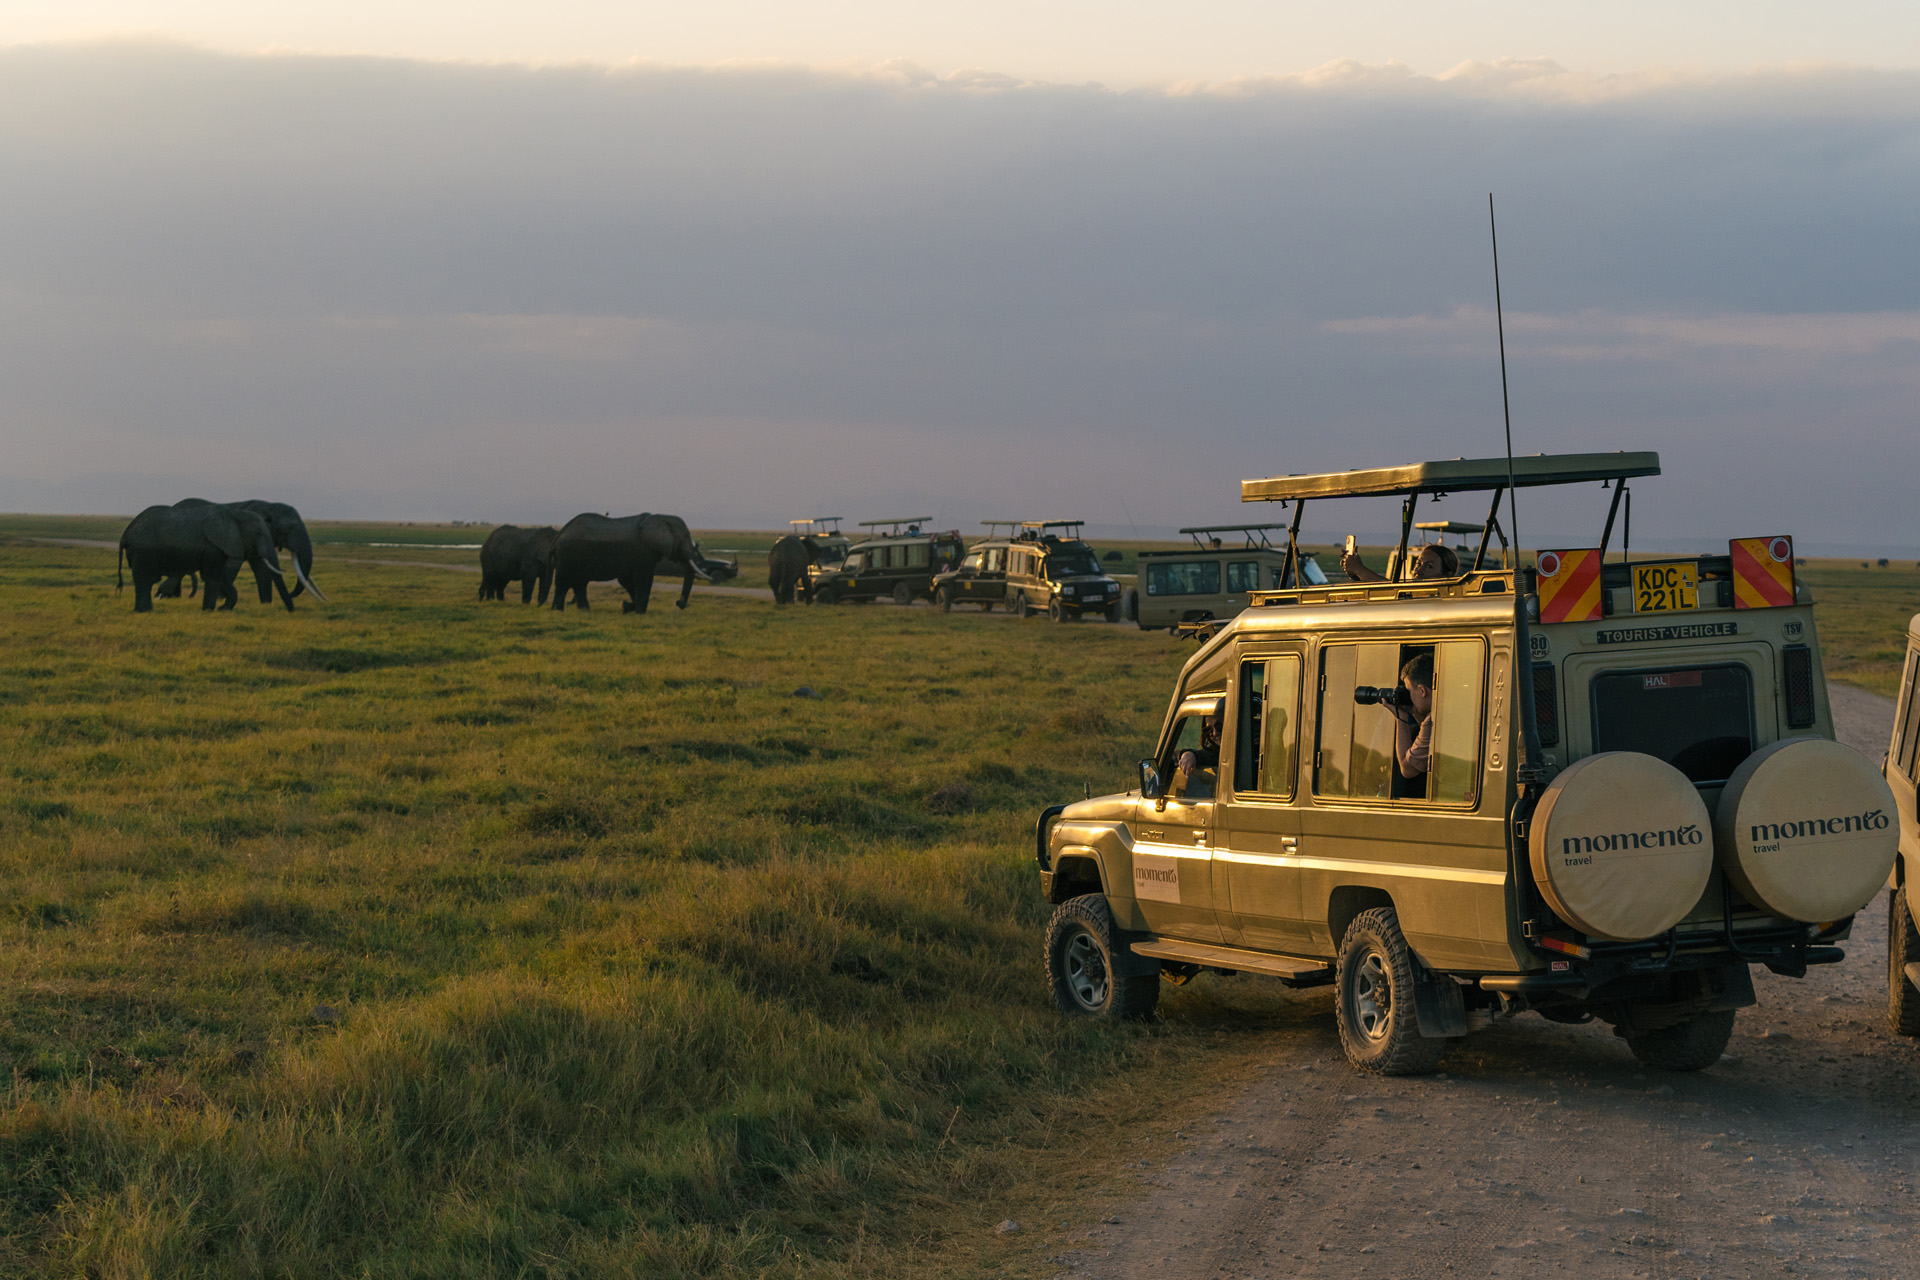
{"x": 1902, "y": 770}
{"x": 1588, "y": 789}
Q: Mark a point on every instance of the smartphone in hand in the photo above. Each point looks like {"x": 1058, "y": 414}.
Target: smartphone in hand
{"x": 1351, "y": 540}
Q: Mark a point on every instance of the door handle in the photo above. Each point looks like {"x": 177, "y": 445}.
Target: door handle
{"x": 1289, "y": 842}
{"x": 1199, "y": 837}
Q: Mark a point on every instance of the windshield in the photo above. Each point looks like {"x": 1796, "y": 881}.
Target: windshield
{"x": 1068, "y": 563}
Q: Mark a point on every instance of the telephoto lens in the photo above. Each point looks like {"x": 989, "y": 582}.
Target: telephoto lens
{"x": 1386, "y": 695}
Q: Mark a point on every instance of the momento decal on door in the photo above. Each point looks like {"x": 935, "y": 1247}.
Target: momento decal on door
{"x": 1156, "y": 877}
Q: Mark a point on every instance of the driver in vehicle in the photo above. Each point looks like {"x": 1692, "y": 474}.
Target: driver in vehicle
{"x": 1434, "y": 562}
{"x": 1198, "y": 766}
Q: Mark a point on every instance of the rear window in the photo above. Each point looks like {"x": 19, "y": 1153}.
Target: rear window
{"x": 1697, "y": 719}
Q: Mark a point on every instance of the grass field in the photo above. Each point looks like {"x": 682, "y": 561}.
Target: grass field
{"x": 415, "y": 936}
{"x": 410, "y": 935}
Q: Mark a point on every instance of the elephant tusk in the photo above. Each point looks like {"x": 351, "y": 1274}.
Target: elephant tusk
{"x": 308, "y": 582}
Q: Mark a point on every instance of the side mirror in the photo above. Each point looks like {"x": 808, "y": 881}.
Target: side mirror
{"x": 1149, "y": 780}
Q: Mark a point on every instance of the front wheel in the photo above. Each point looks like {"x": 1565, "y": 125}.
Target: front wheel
{"x": 1373, "y": 999}
{"x": 1056, "y": 612}
{"x": 902, "y": 593}
{"x": 1079, "y": 957}
{"x": 1691, "y": 1045}
{"x": 1021, "y": 609}
{"x": 1113, "y": 612}
{"x": 944, "y": 599}
{"x": 1903, "y": 949}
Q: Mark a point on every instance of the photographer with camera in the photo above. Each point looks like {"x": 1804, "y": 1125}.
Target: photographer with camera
{"x": 1413, "y": 734}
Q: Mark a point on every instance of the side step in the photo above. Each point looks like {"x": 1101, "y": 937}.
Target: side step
{"x": 1291, "y": 971}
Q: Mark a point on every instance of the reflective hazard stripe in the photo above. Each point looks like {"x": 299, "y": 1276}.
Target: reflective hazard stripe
{"x": 1762, "y": 572}
{"x": 1569, "y": 584}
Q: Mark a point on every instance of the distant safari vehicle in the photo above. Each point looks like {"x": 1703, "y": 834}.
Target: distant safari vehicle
{"x": 1210, "y": 580}
{"x": 1901, "y": 771}
{"x": 829, "y": 543}
{"x": 1586, "y": 789}
{"x": 1031, "y": 568}
{"x": 896, "y": 562}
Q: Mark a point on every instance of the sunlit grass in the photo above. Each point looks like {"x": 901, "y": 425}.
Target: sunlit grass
{"x": 418, "y": 935}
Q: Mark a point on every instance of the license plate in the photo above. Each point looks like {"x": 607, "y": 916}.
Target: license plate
{"x": 1666, "y": 588}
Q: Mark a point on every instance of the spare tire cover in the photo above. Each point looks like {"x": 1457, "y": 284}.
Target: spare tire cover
{"x": 1806, "y": 829}
{"x": 1620, "y": 846}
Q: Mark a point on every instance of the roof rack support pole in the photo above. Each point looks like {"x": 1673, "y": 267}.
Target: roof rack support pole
{"x": 1290, "y": 572}
{"x": 1486, "y": 534}
{"x": 1406, "y": 531}
{"x": 1613, "y": 509}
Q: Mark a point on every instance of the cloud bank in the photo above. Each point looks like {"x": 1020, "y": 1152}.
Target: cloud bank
{"x": 407, "y": 289}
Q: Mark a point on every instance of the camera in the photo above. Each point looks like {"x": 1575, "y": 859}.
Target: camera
{"x": 1389, "y": 696}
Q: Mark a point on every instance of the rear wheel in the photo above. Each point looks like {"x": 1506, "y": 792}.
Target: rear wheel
{"x": 1373, "y": 999}
{"x": 902, "y": 593}
{"x": 1686, "y": 1046}
{"x": 1903, "y": 949}
{"x": 1080, "y": 949}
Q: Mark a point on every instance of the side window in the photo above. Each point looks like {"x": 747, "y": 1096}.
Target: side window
{"x": 1243, "y": 575}
{"x": 997, "y": 560}
{"x": 1355, "y": 757}
{"x": 973, "y": 561}
{"x": 1363, "y": 707}
{"x": 1910, "y": 722}
{"x": 1190, "y": 578}
{"x": 1266, "y": 743}
{"x": 1459, "y": 676}
{"x": 856, "y": 562}
{"x": 917, "y": 556}
{"x": 1193, "y": 734}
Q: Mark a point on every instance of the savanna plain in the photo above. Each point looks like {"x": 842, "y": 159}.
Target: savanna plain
{"x": 411, "y": 935}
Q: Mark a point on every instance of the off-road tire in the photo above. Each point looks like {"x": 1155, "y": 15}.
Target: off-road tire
{"x": 1056, "y": 611}
{"x": 902, "y": 593}
{"x": 1373, "y": 999}
{"x": 1079, "y": 960}
{"x": 1113, "y": 612}
{"x": 1903, "y": 948}
{"x": 1021, "y": 609}
{"x": 944, "y": 598}
{"x": 1692, "y": 1045}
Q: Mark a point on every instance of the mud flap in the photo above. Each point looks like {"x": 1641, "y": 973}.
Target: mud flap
{"x": 1729, "y": 988}
{"x": 1437, "y": 1005}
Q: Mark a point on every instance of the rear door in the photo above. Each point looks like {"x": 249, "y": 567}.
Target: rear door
{"x": 1258, "y": 846}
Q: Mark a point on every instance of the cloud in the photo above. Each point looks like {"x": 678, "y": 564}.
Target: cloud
{"x": 460, "y": 290}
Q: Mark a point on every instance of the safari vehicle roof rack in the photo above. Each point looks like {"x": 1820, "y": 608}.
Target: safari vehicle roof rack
{"x": 1069, "y": 529}
{"x": 826, "y": 526}
{"x": 893, "y": 527}
{"x": 1447, "y": 526}
{"x": 1255, "y": 534}
{"x": 1457, "y": 475}
{"x": 994, "y": 527}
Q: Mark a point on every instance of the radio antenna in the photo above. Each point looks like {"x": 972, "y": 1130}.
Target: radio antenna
{"x": 1506, "y": 407}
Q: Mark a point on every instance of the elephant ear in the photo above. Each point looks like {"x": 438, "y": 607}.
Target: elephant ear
{"x": 223, "y": 531}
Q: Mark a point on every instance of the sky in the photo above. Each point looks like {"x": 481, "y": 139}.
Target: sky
{"x": 1053, "y": 260}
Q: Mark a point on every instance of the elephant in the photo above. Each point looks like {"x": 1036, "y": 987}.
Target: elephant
{"x": 787, "y": 564}
{"x": 289, "y": 532}
{"x": 630, "y": 550}
{"x": 512, "y": 552}
{"x": 212, "y": 541}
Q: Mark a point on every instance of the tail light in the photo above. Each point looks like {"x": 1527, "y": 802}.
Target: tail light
{"x": 1799, "y": 671}
{"x": 1546, "y": 704}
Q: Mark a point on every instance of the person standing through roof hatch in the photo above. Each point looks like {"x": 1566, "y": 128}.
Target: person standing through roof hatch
{"x": 1434, "y": 562}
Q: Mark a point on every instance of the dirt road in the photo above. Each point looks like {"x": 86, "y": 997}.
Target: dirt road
{"x": 1547, "y": 1149}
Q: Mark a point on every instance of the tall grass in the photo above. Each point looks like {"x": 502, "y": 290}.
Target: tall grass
{"x": 414, "y": 935}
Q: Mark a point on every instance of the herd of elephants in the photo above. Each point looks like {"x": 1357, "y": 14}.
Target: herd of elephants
{"x": 212, "y": 542}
